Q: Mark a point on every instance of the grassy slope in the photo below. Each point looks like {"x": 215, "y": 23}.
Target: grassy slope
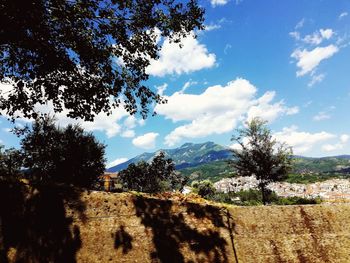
{"x": 305, "y": 170}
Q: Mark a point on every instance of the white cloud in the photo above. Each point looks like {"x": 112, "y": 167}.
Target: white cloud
{"x": 316, "y": 79}
{"x": 130, "y": 122}
{"x": 300, "y": 24}
{"x": 218, "y": 2}
{"x": 146, "y": 141}
{"x": 307, "y": 61}
{"x": 269, "y": 111}
{"x": 342, "y": 15}
{"x": 212, "y": 27}
{"x": 301, "y": 142}
{"x": 111, "y": 125}
{"x": 295, "y": 35}
{"x": 116, "y": 162}
{"x": 344, "y": 138}
{"x": 173, "y": 59}
{"x": 161, "y": 89}
{"x": 322, "y": 115}
{"x": 187, "y": 85}
{"x": 326, "y": 33}
{"x": 332, "y": 147}
{"x": 128, "y": 134}
{"x": 317, "y": 37}
{"x": 218, "y": 109}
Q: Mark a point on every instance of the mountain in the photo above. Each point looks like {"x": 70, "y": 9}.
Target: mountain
{"x": 209, "y": 161}
{"x": 188, "y": 155}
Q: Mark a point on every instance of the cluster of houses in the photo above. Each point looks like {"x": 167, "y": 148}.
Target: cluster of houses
{"x": 334, "y": 189}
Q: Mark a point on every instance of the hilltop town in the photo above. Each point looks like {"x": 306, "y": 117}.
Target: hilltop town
{"x": 329, "y": 190}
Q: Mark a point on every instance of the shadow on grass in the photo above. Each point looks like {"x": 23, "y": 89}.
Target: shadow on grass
{"x": 123, "y": 240}
{"x": 34, "y": 226}
{"x": 173, "y": 236}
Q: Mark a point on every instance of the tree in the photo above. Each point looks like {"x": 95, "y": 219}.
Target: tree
{"x": 260, "y": 155}
{"x": 154, "y": 177}
{"x": 10, "y": 163}
{"x": 64, "y": 155}
{"x": 87, "y": 56}
{"x": 204, "y": 188}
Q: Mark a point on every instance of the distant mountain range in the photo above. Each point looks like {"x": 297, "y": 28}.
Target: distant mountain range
{"x": 188, "y": 155}
{"x": 209, "y": 160}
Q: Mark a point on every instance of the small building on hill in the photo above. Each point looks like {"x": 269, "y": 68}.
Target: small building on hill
{"x": 108, "y": 180}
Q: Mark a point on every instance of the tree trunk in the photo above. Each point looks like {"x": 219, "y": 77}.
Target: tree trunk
{"x": 263, "y": 193}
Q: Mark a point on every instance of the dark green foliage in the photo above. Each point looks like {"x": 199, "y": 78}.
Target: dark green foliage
{"x": 69, "y": 52}
{"x": 298, "y": 201}
{"x": 204, "y": 188}
{"x": 10, "y": 163}
{"x": 260, "y": 155}
{"x": 213, "y": 171}
{"x": 158, "y": 176}
{"x": 64, "y": 155}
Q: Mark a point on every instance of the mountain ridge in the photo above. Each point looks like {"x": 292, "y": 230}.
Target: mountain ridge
{"x": 187, "y": 155}
{"x": 191, "y": 155}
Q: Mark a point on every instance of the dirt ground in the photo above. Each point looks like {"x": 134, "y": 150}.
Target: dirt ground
{"x": 51, "y": 225}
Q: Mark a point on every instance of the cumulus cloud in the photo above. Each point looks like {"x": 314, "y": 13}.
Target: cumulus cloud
{"x": 111, "y": 125}
{"x": 307, "y": 61}
{"x": 301, "y": 142}
{"x": 173, "y": 59}
{"x": 146, "y": 141}
{"x": 116, "y": 162}
{"x": 332, "y": 147}
{"x": 268, "y": 110}
{"x": 343, "y": 139}
{"x": 218, "y": 109}
{"x": 218, "y": 2}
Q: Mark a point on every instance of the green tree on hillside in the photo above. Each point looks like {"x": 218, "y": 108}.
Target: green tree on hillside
{"x": 64, "y": 155}
{"x": 87, "y": 56}
{"x": 204, "y": 188}
{"x": 260, "y": 155}
{"x": 154, "y": 177}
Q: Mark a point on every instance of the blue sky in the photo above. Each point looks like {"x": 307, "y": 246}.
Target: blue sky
{"x": 285, "y": 61}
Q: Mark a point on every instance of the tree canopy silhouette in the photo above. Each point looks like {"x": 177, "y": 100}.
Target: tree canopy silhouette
{"x": 154, "y": 177}
{"x": 260, "y": 155}
{"x": 87, "y": 56}
{"x": 10, "y": 163}
{"x": 64, "y": 155}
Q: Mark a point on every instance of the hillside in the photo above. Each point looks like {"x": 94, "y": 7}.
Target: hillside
{"x": 209, "y": 161}
{"x": 188, "y": 155}
{"x": 51, "y": 225}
